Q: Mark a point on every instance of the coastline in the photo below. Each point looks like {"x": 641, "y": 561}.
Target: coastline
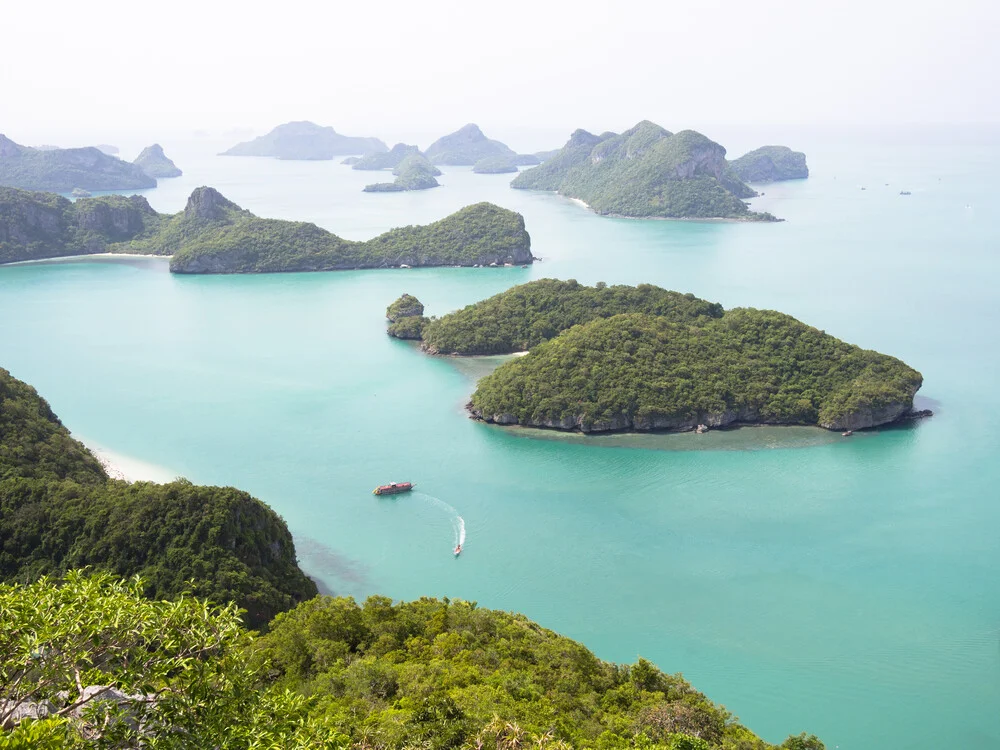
{"x": 713, "y": 220}
{"x": 127, "y": 468}
{"x": 58, "y": 258}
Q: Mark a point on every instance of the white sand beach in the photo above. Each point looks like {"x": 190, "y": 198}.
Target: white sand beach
{"x": 120, "y": 466}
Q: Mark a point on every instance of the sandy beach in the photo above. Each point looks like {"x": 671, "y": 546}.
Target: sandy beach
{"x": 120, "y": 466}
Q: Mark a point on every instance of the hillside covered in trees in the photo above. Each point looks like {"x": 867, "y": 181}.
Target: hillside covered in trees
{"x": 214, "y": 235}
{"x": 59, "y": 510}
{"x": 63, "y": 169}
{"x": 645, "y": 172}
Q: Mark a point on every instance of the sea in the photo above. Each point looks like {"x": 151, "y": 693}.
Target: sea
{"x": 846, "y": 587}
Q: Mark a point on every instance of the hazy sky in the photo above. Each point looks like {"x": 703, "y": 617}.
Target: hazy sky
{"x": 388, "y": 68}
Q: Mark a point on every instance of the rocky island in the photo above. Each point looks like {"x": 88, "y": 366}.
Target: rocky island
{"x": 214, "y": 235}
{"x": 63, "y": 169}
{"x": 406, "y": 318}
{"x": 465, "y": 147}
{"x": 155, "y": 163}
{"x": 305, "y": 141}
{"x": 770, "y": 164}
{"x": 414, "y": 172}
{"x": 645, "y": 172}
{"x": 385, "y": 159}
{"x": 495, "y": 165}
{"x": 643, "y": 358}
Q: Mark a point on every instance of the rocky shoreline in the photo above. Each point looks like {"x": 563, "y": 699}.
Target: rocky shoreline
{"x": 862, "y": 420}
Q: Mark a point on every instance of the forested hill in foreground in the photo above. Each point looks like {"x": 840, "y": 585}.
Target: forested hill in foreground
{"x": 214, "y": 235}
{"x": 62, "y": 169}
{"x": 646, "y": 172}
{"x": 59, "y": 510}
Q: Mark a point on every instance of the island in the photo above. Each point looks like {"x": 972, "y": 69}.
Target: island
{"x": 465, "y": 147}
{"x": 406, "y": 318}
{"x": 305, "y": 140}
{"x": 214, "y": 235}
{"x": 385, "y": 159}
{"x": 495, "y": 165}
{"x": 770, "y": 164}
{"x": 63, "y": 169}
{"x": 616, "y": 358}
{"x": 136, "y": 590}
{"x": 645, "y": 172}
{"x": 351, "y": 160}
{"x": 155, "y": 163}
{"x": 413, "y": 173}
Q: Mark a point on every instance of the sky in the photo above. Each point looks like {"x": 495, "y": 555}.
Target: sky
{"x": 392, "y": 69}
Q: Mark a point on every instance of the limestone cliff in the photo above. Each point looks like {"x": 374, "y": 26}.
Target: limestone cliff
{"x": 155, "y": 163}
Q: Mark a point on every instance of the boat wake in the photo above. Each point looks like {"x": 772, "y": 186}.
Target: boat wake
{"x": 457, "y": 522}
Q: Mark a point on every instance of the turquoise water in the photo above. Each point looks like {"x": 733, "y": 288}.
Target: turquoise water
{"x": 844, "y": 587}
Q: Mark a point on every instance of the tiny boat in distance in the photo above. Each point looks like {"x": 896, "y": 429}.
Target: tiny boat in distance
{"x": 458, "y": 550}
{"x": 393, "y": 488}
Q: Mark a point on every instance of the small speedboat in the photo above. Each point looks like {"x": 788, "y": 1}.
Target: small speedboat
{"x": 458, "y": 550}
{"x": 847, "y": 433}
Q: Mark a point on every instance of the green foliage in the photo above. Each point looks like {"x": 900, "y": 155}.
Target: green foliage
{"x": 385, "y": 159}
{"x": 408, "y": 328}
{"x": 645, "y": 172}
{"x": 58, "y": 511}
{"x": 770, "y": 163}
{"x": 404, "y": 307}
{"x": 531, "y": 313}
{"x": 495, "y": 165}
{"x": 177, "y": 670}
{"x": 465, "y": 146}
{"x": 447, "y": 674}
{"x": 413, "y": 173}
{"x": 416, "y": 160}
{"x": 640, "y": 371}
{"x": 62, "y": 169}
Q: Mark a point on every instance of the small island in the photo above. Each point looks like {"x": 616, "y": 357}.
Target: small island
{"x": 645, "y": 172}
{"x": 307, "y": 141}
{"x": 613, "y": 358}
{"x": 385, "y": 159}
{"x": 771, "y": 164}
{"x": 61, "y": 170}
{"x": 214, "y": 235}
{"x": 155, "y": 163}
{"x": 406, "y": 318}
{"x": 413, "y": 173}
{"x": 465, "y": 147}
{"x": 495, "y": 165}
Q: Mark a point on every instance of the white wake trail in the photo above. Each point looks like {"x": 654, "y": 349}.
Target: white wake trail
{"x": 457, "y": 522}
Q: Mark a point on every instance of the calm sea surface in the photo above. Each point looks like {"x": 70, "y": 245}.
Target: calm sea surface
{"x": 844, "y": 587}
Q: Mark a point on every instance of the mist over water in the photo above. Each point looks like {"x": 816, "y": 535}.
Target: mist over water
{"x": 844, "y": 587}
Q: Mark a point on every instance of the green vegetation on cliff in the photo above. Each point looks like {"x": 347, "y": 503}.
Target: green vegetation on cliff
{"x": 406, "y": 318}
{"x": 214, "y": 235}
{"x": 307, "y": 141}
{"x": 528, "y": 314}
{"x": 60, "y": 170}
{"x": 643, "y": 372}
{"x": 59, "y": 510}
{"x": 448, "y": 674}
{"x": 770, "y": 164}
{"x": 386, "y": 159}
{"x": 645, "y": 172}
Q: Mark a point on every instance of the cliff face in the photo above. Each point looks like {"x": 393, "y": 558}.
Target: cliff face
{"x": 771, "y": 164}
{"x": 305, "y": 141}
{"x": 61, "y": 170}
{"x": 155, "y": 163}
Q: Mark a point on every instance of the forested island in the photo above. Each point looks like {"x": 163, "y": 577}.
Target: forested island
{"x": 771, "y": 164}
{"x": 166, "y": 659}
{"x": 214, "y": 235}
{"x": 465, "y": 147}
{"x": 155, "y": 163}
{"x": 385, "y": 159}
{"x": 413, "y": 172}
{"x": 608, "y": 358}
{"x": 61, "y": 170}
{"x": 646, "y": 172}
{"x": 305, "y": 140}
{"x": 495, "y": 165}
{"x": 406, "y": 318}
